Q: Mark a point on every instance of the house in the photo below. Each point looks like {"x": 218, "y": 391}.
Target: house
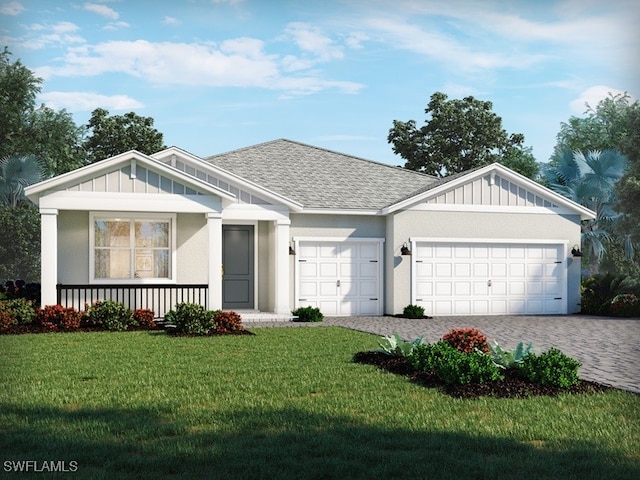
{"x": 282, "y": 224}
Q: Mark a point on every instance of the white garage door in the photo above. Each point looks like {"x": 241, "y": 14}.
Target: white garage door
{"x": 489, "y": 278}
{"x": 340, "y": 277}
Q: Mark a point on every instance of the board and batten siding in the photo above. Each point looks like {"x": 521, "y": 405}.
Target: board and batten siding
{"x": 491, "y": 190}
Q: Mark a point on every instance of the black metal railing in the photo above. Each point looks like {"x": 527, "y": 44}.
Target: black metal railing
{"x": 158, "y": 297}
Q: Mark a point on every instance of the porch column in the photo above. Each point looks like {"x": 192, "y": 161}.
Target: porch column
{"x": 48, "y": 255}
{"x": 283, "y": 306}
{"x": 214, "y": 229}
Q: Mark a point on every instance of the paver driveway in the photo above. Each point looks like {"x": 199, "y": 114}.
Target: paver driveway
{"x": 608, "y": 348}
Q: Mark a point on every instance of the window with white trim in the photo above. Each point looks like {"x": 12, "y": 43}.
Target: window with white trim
{"x": 131, "y": 248}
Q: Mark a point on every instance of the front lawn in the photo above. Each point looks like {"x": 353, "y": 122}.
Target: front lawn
{"x": 285, "y": 403}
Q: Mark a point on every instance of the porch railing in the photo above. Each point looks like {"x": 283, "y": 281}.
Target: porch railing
{"x": 157, "y": 297}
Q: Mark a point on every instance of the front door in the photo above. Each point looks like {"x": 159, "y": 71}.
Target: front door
{"x": 238, "y": 267}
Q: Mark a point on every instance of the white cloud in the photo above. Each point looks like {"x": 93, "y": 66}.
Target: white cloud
{"x": 311, "y": 40}
{"x": 102, "y": 10}
{"x": 88, "y": 101}
{"x": 61, "y": 33}
{"x": 116, "y": 25}
{"x": 12, "y": 8}
{"x": 460, "y": 91}
{"x": 592, "y": 96}
{"x": 171, "y": 21}
{"x": 239, "y": 62}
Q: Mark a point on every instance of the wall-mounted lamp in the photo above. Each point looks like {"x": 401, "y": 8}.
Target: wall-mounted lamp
{"x": 575, "y": 251}
{"x": 404, "y": 250}
{"x": 291, "y": 250}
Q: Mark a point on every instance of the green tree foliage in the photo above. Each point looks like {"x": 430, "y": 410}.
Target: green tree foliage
{"x": 628, "y": 188}
{"x": 52, "y": 137}
{"x": 115, "y": 134}
{"x": 612, "y": 124}
{"x": 521, "y": 160}
{"x": 16, "y": 173}
{"x": 458, "y": 135}
{"x": 20, "y": 242}
{"x": 589, "y": 179}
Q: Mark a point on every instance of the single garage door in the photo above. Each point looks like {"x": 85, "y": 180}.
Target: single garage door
{"x": 489, "y": 278}
{"x": 340, "y": 277}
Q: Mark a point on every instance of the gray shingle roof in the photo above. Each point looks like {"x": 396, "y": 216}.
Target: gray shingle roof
{"x": 319, "y": 178}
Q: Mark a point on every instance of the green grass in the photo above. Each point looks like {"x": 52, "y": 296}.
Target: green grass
{"x": 286, "y": 403}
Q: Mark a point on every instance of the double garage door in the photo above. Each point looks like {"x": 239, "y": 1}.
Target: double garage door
{"x": 340, "y": 277}
{"x": 489, "y": 278}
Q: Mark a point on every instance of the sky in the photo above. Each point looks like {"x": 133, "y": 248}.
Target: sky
{"x": 217, "y": 75}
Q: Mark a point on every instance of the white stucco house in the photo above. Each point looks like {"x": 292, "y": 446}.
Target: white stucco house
{"x": 282, "y": 224}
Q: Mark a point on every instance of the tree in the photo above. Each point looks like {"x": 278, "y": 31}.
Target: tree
{"x": 589, "y": 179}
{"x": 459, "y": 135}
{"x": 112, "y": 135}
{"x": 20, "y": 242}
{"x": 52, "y": 137}
{"x": 16, "y": 173}
{"x": 612, "y": 124}
{"x": 521, "y": 160}
{"x": 628, "y": 188}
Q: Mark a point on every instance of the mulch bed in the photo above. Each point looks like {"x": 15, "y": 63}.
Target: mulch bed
{"x": 24, "y": 329}
{"x": 513, "y": 386}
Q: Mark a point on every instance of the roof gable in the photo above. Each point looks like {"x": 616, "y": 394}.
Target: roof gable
{"x": 321, "y": 179}
{"x": 491, "y": 186}
{"x": 129, "y": 172}
{"x": 244, "y": 190}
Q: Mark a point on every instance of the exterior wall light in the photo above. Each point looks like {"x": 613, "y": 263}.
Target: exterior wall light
{"x": 575, "y": 251}
{"x": 404, "y": 250}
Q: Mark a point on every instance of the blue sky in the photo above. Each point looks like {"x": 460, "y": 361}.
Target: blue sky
{"x": 217, "y": 75}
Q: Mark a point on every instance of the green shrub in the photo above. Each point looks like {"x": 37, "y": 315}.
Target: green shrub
{"x": 109, "y": 315}
{"x": 599, "y": 290}
{"x": 467, "y": 340}
{"x": 190, "y": 319}
{"x": 145, "y": 318}
{"x": 551, "y": 368}
{"x": 509, "y": 358}
{"x": 395, "y": 346}
{"x": 57, "y": 317}
{"x": 20, "y": 309}
{"x": 227, "y": 322}
{"x": 308, "y": 314}
{"x": 453, "y": 366}
{"x": 413, "y": 311}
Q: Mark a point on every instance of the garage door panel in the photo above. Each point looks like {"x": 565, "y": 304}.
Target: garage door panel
{"x": 340, "y": 278}
{"x": 477, "y": 279}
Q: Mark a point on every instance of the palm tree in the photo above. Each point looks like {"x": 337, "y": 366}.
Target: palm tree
{"x": 589, "y": 180}
{"x": 16, "y": 173}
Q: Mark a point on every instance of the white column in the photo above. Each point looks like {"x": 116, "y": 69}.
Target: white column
{"x": 214, "y": 229}
{"x": 48, "y": 255}
{"x": 283, "y": 306}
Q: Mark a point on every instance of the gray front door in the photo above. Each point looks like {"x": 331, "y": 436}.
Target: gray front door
{"x": 237, "y": 260}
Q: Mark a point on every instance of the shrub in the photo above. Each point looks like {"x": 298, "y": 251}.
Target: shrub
{"x": 395, "y": 346}
{"x": 145, "y": 318}
{"x": 6, "y": 321}
{"x": 109, "y": 315}
{"x": 551, "y": 368}
{"x": 308, "y": 314}
{"x": 453, "y": 366}
{"x": 413, "y": 311}
{"x": 509, "y": 358}
{"x": 467, "y": 340}
{"x": 57, "y": 317}
{"x": 599, "y": 290}
{"x": 625, "y": 305}
{"x": 227, "y": 322}
{"x": 190, "y": 318}
{"x": 20, "y": 309}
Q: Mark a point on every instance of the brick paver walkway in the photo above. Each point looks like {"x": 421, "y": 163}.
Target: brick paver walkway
{"x": 608, "y": 348}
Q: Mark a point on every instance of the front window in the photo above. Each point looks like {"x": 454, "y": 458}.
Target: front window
{"x": 131, "y": 248}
